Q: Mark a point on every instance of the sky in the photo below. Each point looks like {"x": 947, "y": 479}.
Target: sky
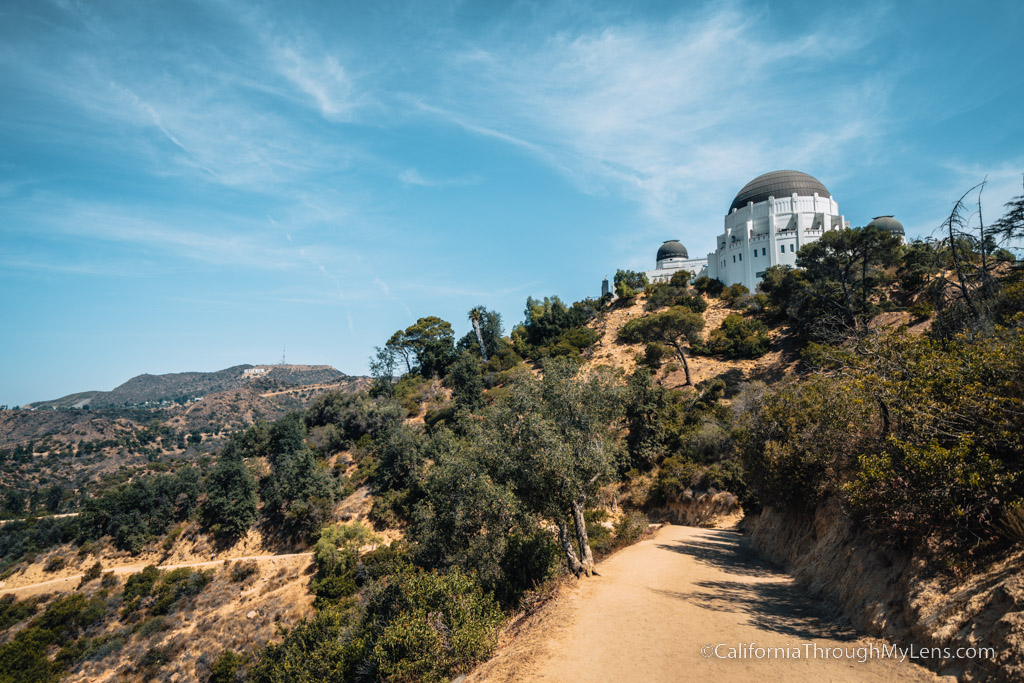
{"x": 195, "y": 185}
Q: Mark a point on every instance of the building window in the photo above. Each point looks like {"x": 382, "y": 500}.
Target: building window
{"x": 782, "y": 248}
{"x": 734, "y": 258}
{"x": 792, "y": 248}
{"x": 764, "y": 251}
{"x": 755, "y": 253}
{"x": 741, "y": 257}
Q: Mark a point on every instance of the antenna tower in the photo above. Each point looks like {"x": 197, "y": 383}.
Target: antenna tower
{"x": 282, "y": 356}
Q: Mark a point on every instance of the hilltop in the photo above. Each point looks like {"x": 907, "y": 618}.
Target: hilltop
{"x": 181, "y": 387}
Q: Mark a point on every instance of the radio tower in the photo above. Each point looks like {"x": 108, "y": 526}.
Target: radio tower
{"x": 282, "y": 356}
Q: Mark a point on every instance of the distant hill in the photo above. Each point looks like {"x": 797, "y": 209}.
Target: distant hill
{"x": 184, "y": 386}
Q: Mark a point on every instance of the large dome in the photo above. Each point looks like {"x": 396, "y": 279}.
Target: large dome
{"x": 887, "y": 223}
{"x": 778, "y": 184}
{"x": 672, "y": 249}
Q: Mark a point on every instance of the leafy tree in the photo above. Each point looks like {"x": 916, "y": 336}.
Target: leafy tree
{"x": 466, "y": 382}
{"x": 739, "y": 337}
{"x": 629, "y": 283}
{"x": 676, "y": 327}
{"x": 382, "y": 370}
{"x": 554, "y": 435}
{"x": 644, "y": 403}
{"x": 298, "y": 494}
{"x": 428, "y": 346}
{"x": 231, "y": 504}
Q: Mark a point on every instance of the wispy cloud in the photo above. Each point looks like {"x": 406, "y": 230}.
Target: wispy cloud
{"x": 667, "y": 113}
{"x": 411, "y": 176}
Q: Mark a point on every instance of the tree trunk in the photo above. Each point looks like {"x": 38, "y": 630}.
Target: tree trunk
{"x": 686, "y": 366}
{"x": 480, "y": 338}
{"x": 563, "y": 537}
{"x": 586, "y": 557}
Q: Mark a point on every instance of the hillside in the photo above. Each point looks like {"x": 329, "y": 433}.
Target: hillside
{"x": 184, "y": 386}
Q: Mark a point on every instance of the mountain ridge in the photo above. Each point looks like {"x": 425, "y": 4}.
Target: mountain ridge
{"x": 181, "y": 387}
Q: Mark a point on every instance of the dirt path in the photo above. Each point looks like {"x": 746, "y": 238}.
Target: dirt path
{"x": 658, "y": 602}
{"x": 59, "y": 584}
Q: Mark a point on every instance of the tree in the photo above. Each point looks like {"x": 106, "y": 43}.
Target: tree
{"x": 676, "y": 327}
{"x": 382, "y": 369}
{"x": 298, "y": 493}
{"x": 553, "y": 433}
{"x": 466, "y": 383}
{"x": 231, "y": 504}
{"x": 644, "y": 404}
{"x": 427, "y": 346}
{"x": 629, "y": 283}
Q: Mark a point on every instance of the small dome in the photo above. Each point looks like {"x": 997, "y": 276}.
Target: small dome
{"x": 778, "y": 184}
{"x": 672, "y": 249}
{"x": 887, "y": 223}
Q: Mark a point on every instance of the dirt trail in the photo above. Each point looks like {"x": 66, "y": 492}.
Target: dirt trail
{"x": 658, "y": 602}
{"x": 68, "y": 582}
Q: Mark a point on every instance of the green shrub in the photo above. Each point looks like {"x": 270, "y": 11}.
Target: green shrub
{"x": 908, "y": 491}
{"x": 630, "y": 527}
{"x": 13, "y": 611}
{"x": 243, "y": 569}
{"x": 92, "y": 573}
{"x": 655, "y": 353}
{"x": 151, "y": 626}
{"x": 227, "y": 668}
{"x": 739, "y": 337}
{"x": 675, "y": 475}
{"x": 137, "y": 587}
{"x": 412, "y": 625}
{"x": 733, "y": 293}
{"x": 177, "y": 584}
{"x": 709, "y": 286}
{"x": 55, "y": 564}
{"x": 437, "y": 625}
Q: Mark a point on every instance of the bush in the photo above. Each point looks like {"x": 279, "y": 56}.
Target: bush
{"x": 733, "y": 293}
{"x": 739, "y": 337}
{"x": 176, "y": 585}
{"x": 709, "y": 286}
{"x": 227, "y": 668}
{"x": 242, "y": 570}
{"x": 436, "y": 625}
{"x": 675, "y": 476}
{"x": 655, "y": 353}
{"x": 630, "y": 527}
{"x": 137, "y": 587}
{"x": 55, "y": 564}
{"x": 412, "y": 625}
{"x": 92, "y": 573}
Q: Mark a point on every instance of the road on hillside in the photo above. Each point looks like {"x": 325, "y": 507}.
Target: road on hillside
{"x": 675, "y": 607}
{"x": 68, "y": 582}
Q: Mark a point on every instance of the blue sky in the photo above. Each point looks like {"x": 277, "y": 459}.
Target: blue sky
{"x": 192, "y": 185}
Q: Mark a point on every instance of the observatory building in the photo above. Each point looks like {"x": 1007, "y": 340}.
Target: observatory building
{"x": 673, "y": 257}
{"x": 888, "y": 223}
{"x": 769, "y": 220}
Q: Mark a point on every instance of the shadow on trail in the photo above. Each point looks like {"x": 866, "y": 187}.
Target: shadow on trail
{"x": 773, "y": 606}
{"x": 727, "y": 551}
{"x": 771, "y": 599}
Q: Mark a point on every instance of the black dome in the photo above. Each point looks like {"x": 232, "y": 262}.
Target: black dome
{"x": 887, "y": 223}
{"x": 672, "y": 249}
{"x": 778, "y": 184}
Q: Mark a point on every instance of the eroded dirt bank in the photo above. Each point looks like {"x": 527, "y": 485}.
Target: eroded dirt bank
{"x": 654, "y": 606}
{"x": 901, "y": 598}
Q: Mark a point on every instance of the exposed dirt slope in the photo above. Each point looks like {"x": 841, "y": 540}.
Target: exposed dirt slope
{"x": 657, "y": 602}
{"x": 894, "y": 595}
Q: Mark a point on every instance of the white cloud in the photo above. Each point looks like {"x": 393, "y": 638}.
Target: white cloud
{"x": 676, "y": 115}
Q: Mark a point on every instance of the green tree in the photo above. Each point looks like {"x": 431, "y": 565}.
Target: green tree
{"x": 677, "y": 327}
{"x": 231, "y": 504}
{"x": 629, "y": 283}
{"x": 554, "y": 433}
